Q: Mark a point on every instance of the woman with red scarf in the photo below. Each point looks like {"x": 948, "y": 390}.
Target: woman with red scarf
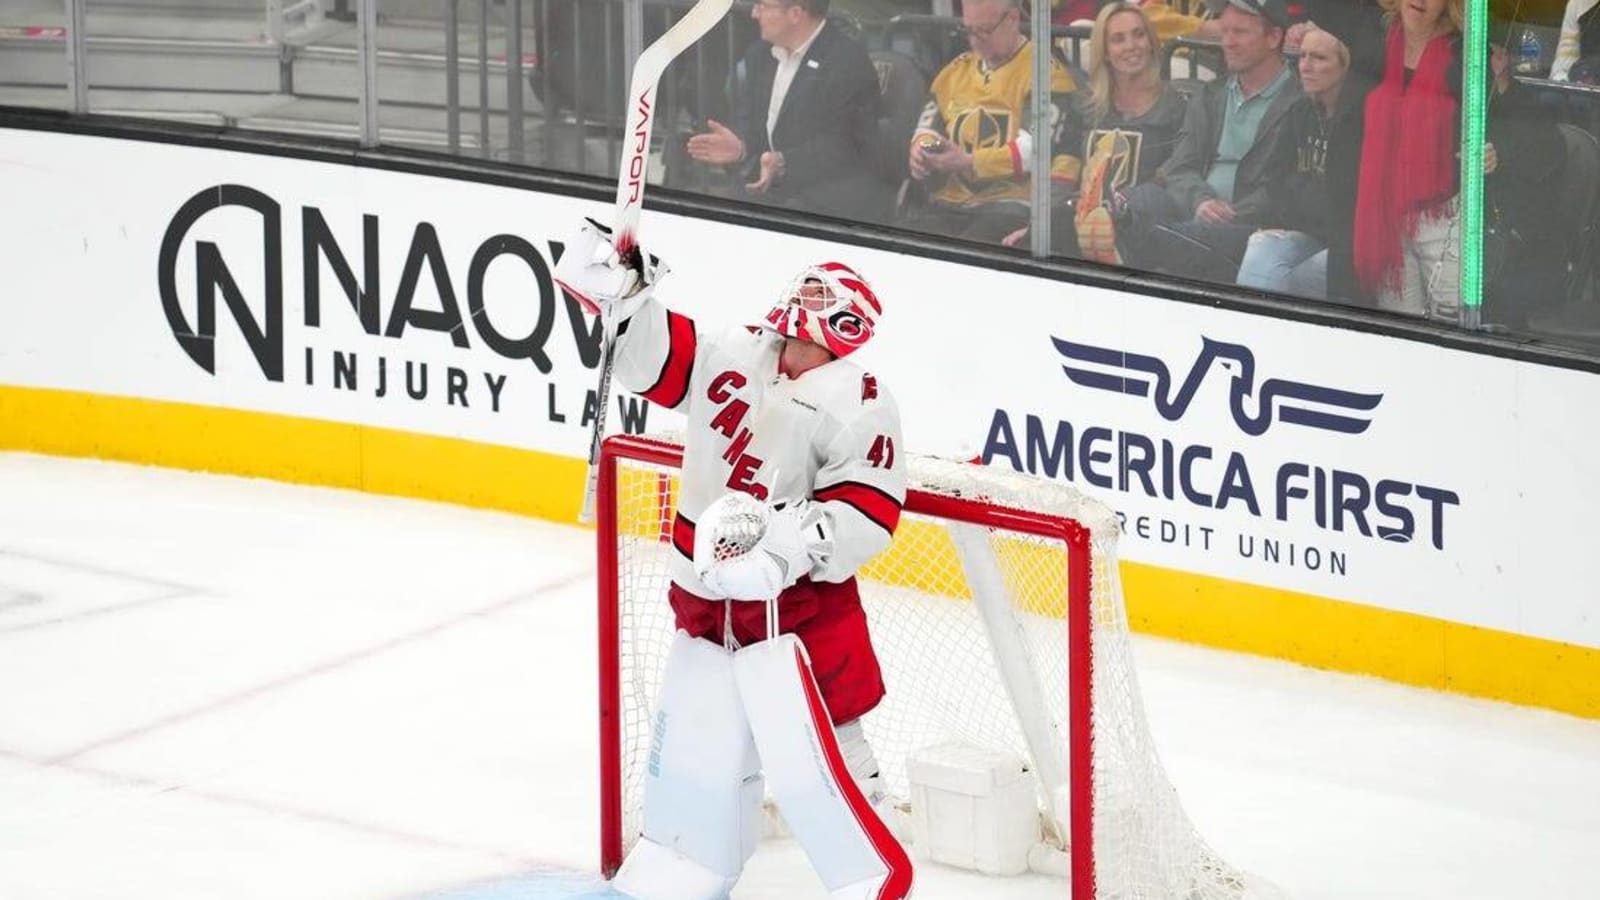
{"x": 1407, "y": 237}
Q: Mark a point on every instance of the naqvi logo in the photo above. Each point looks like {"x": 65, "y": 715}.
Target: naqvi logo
{"x": 1292, "y": 402}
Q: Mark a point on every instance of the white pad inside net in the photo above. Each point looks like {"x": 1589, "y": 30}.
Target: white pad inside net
{"x": 969, "y": 623}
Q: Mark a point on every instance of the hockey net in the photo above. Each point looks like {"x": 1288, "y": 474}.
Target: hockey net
{"x": 998, "y": 621}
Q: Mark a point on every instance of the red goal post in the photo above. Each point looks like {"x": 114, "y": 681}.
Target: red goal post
{"x": 1002, "y": 585}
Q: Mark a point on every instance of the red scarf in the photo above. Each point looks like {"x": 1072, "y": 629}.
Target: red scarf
{"x": 1408, "y": 158}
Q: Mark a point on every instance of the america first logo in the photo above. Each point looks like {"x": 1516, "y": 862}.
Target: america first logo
{"x": 1146, "y": 454}
{"x": 1254, "y": 407}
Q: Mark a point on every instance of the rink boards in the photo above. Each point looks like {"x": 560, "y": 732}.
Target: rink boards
{"x": 1349, "y": 500}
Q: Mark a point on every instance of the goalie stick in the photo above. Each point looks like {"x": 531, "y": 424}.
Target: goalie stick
{"x": 631, "y": 177}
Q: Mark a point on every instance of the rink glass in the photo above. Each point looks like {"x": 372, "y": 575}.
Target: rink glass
{"x": 538, "y": 83}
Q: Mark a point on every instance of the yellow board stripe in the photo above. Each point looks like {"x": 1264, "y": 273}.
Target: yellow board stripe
{"x": 286, "y": 448}
{"x": 1315, "y": 631}
{"x": 1351, "y": 637}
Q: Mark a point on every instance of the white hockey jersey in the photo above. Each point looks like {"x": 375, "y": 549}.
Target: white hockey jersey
{"x": 832, "y": 435}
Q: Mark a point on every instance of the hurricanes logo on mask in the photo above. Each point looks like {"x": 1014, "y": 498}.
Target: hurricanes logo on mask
{"x": 849, "y": 327}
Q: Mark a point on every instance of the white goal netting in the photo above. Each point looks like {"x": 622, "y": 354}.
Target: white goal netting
{"x": 972, "y": 613}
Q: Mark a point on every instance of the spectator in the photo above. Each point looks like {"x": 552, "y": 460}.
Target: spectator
{"x": 1197, "y": 217}
{"x": 1406, "y": 234}
{"x": 1127, "y": 100}
{"x": 806, "y": 121}
{"x": 1525, "y": 247}
{"x": 1132, "y": 119}
{"x": 974, "y": 142}
{"x": 1311, "y": 190}
{"x": 1580, "y": 39}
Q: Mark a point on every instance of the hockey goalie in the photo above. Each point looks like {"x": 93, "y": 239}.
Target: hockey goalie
{"x": 791, "y": 482}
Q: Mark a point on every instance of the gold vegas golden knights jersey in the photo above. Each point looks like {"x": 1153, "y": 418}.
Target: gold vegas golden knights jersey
{"x": 988, "y": 113}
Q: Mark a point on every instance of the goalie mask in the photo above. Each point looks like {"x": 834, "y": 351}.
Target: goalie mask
{"x": 827, "y": 304}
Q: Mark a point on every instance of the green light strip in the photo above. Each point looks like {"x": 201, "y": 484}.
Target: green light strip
{"x": 1474, "y": 107}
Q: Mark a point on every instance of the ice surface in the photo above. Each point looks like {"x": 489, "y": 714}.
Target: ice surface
{"x": 221, "y": 688}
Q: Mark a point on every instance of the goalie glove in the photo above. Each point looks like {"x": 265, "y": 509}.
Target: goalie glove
{"x": 745, "y": 549}
{"x": 602, "y": 280}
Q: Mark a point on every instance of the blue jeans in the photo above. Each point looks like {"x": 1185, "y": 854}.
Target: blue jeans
{"x": 1155, "y": 233}
{"x": 1285, "y": 262}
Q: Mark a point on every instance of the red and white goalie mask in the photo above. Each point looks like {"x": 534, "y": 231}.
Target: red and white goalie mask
{"x": 828, "y": 304}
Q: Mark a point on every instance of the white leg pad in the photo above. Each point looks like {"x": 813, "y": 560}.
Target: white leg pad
{"x": 652, "y": 872}
{"x": 702, "y": 786}
{"x": 848, "y": 845}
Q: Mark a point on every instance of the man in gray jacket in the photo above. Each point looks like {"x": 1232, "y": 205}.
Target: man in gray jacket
{"x": 1196, "y": 216}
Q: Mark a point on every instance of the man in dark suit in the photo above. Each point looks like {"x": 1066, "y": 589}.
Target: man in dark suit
{"x": 805, "y": 123}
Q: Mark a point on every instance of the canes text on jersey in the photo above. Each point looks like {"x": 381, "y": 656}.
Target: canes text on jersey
{"x": 729, "y": 422}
